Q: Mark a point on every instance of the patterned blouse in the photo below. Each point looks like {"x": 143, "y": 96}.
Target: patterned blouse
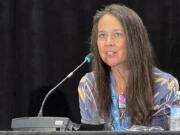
{"x": 165, "y": 87}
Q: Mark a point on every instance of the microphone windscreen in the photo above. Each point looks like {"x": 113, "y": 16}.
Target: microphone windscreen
{"x": 89, "y": 57}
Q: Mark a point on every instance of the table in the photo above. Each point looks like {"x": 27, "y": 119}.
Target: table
{"x": 88, "y": 133}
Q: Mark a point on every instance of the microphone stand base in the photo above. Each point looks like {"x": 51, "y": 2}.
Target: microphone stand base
{"x": 41, "y": 124}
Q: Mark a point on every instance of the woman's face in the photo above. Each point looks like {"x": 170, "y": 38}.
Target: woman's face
{"x": 111, "y": 41}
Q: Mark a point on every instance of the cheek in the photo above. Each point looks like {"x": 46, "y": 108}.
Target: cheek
{"x": 100, "y": 50}
{"x": 100, "y": 47}
{"x": 123, "y": 53}
{"x": 124, "y": 57}
{"x": 124, "y": 49}
{"x": 102, "y": 54}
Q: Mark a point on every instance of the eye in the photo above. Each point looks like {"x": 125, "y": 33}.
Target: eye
{"x": 118, "y": 34}
{"x": 101, "y": 35}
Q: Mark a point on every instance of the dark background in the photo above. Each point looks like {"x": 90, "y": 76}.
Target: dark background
{"x": 41, "y": 41}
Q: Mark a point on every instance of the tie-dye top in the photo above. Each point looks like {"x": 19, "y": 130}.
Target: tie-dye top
{"x": 165, "y": 86}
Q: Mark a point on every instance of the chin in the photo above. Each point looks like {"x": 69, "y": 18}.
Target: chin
{"x": 115, "y": 64}
{"x": 112, "y": 64}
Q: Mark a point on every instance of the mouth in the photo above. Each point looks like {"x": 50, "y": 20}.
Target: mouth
{"x": 110, "y": 53}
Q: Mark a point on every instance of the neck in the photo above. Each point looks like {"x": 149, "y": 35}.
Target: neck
{"x": 120, "y": 76}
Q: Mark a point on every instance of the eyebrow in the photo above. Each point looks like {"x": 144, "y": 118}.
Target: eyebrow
{"x": 112, "y": 30}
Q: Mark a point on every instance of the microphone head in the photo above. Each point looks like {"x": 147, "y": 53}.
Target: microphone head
{"x": 89, "y": 57}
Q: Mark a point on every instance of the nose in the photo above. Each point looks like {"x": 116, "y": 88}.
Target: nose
{"x": 109, "y": 40}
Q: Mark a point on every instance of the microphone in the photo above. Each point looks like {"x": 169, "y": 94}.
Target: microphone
{"x": 87, "y": 59}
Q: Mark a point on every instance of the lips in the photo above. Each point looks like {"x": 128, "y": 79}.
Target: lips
{"x": 110, "y": 53}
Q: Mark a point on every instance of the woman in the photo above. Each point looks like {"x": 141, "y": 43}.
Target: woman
{"x": 124, "y": 88}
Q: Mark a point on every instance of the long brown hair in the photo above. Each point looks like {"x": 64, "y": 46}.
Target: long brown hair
{"x": 139, "y": 92}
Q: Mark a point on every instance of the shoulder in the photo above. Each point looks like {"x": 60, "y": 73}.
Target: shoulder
{"x": 86, "y": 85}
{"x": 165, "y": 84}
{"x": 87, "y": 78}
{"x": 165, "y": 80}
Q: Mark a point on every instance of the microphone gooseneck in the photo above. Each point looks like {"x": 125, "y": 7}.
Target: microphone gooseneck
{"x": 87, "y": 59}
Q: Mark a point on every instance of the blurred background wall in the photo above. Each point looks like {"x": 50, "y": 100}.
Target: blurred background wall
{"x": 41, "y": 41}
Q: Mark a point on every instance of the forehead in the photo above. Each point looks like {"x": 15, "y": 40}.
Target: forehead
{"x": 109, "y": 22}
